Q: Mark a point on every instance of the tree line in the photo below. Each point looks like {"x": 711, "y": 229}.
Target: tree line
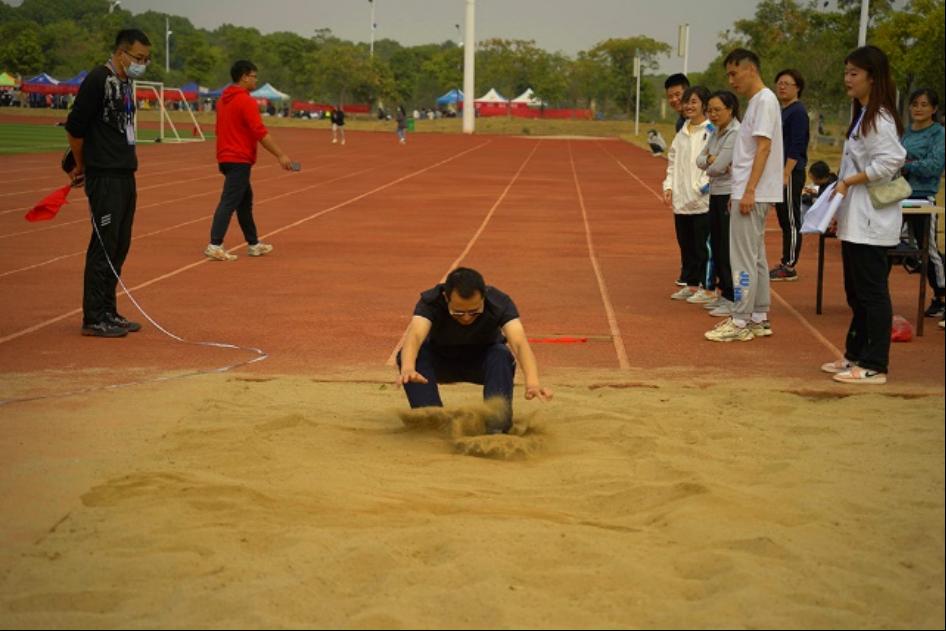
{"x": 63, "y": 37}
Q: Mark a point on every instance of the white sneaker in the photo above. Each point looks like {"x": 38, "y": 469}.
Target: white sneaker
{"x": 724, "y": 310}
{"x": 343, "y": 141}
{"x": 259, "y": 249}
{"x": 701, "y": 297}
{"x": 217, "y": 253}
{"x": 727, "y": 331}
{"x": 760, "y": 329}
{"x": 860, "y": 375}
{"x": 837, "y": 366}
{"x": 334, "y": 141}
{"x": 681, "y": 294}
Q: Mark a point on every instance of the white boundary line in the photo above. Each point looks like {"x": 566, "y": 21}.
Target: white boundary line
{"x": 180, "y": 270}
{"x": 472, "y": 241}
{"x": 632, "y": 174}
{"x": 616, "y": 336}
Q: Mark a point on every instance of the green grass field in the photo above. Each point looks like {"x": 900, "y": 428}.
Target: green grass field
{"x": 28, "y": 138}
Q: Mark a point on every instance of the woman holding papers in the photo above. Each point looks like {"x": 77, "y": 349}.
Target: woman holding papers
{"x": 872, "y": 155}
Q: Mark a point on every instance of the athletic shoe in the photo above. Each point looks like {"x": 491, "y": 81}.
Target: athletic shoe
{"x": 217, "y": 253}
{"x": 103, "y": 329}
{"x": 728, "y": 331}
{"x": 701, "y": 297}
{"x": 724, "y": 310}
{"x": 718, "y": 300}
{"x": 936, "y": 309}
{"x": 681, "y": 294}
{"x": 941, "y": 324}
{"x": 334, "y": 141}
{"x": 120, "y": 320}
{"x": 259, "y": 249}
{"x": 760, "y": 329}
{"x": 781, "y": 273}
{"x": 680, "y": 282}
{"x": 860, "y": 375}
{"x": 343, "y": 141}
{"x": 838, "y": 365}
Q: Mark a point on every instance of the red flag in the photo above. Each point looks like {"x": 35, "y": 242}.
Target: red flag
{"x": 47, "y": 207}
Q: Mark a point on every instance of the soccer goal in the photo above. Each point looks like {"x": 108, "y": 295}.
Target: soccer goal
{"x": 159, "y": 91}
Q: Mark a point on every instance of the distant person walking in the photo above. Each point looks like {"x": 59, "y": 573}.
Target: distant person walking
{"x": 401, "y": 118}
{"x": 338, "y": 125}
{"x": 239, "y": 128}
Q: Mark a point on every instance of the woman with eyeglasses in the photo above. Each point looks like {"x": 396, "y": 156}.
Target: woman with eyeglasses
{"x": 872, "y": 155}
{"x": 716, "y": 160}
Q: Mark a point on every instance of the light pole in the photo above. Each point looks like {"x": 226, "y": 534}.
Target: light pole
{"x": 469, "y": 61}
{"x": 113, "y": 4}
{"x": 167, "y": 45}
{"x": 459, "y": 37}
{"x": 683, "y": 44}
{"x": 637, "y": 97}
{"x": 373, "y": 27}
{"x": 865, "y": 17}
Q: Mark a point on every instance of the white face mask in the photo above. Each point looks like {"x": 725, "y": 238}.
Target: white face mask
{"x": 136, "y": 71}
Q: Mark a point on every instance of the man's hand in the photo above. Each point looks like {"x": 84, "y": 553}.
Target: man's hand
{"x": 285, "y": 162}
{"x": 668, "y": 196}
{"x": 747, "y": 203}
{"x": 77, "y": 175}
{"x": 535, "y": 390}
{"x": 410, "y": 376}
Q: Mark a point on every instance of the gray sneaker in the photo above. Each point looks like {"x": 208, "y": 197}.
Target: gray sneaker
{"x": 217, "y": 253}
{"x": 259, "y": 249}
{"x": 760, "y": 329}
{"x": 724, "y": 310}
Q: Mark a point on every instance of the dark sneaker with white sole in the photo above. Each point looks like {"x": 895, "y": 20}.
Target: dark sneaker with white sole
{"x": 119, "y": 320}
{"x": 936, "y": 308}
{"x": 103, "y": 329}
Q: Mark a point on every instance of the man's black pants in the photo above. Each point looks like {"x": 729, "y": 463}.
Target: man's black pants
{"x": 492, "y": 366}
{"x": 112, "y": 199}
{"x": 789, "y": 218}
{"x": 237, "y": 195}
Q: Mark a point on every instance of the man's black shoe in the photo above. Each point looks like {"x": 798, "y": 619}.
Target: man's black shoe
{"x": 936, "y": 309}
{"x": 123, "y": 322}
{"x": 103, "y": 329}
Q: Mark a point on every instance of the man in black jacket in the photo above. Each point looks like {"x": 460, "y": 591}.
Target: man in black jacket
{"x": 101, "y": 135}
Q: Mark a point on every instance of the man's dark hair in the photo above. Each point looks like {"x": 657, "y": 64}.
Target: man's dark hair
{"x": 241, "y": 68}
{"x": 820, "y": 170}
{"x": 930, "y": 95}
{"x": 677, "y": 79}
{"x": 702, "y": 93}
{"x": 464, "y": 281}
{"x": 729, "y": 101}
{"x": 128, "y": 37}
{"x": 796, "y": 77}
{"x": 740, "y": 55}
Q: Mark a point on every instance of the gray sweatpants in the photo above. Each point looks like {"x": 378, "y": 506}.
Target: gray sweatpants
{"x": 750, "y": 269}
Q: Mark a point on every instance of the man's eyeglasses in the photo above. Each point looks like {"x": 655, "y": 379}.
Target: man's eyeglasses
{"x": 472, "y": 313}
{"x": 141, "y": 60}
{"x": 785, "y": 84}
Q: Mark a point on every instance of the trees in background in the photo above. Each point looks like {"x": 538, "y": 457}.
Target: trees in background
{"x": 63, "y": 37}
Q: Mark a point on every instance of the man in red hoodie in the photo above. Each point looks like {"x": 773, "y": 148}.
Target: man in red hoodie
{"x": 239, "y": 128}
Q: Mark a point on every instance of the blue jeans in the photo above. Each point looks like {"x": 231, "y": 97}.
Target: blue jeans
{"x": 492, "y": 366}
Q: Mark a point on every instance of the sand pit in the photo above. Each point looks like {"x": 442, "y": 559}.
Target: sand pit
{"x": 240, "y": 502}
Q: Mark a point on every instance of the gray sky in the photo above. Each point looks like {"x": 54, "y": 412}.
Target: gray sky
{"x": 564, "y": 25}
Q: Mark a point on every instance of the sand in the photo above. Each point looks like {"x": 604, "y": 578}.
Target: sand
{"x": 237, "y": 501}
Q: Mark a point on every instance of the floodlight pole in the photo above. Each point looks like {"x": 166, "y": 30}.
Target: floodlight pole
{"x": 469, "y": 60}
{"x": 371, "y": 46}
{"x": 865, "y": 17}
{"x": 167, "y": 45}
{"x": 637, "y": 97}
{"x": 683, "y": 44}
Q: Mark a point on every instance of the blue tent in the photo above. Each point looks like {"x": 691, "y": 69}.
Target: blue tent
{"x": 216, "y": 94}
{"x": 76, "y": 80}
{"x": 452, "y": 97}
{"x": 42, "y": 83}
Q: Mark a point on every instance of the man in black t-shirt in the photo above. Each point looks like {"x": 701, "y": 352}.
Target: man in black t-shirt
{"x": 338, "y": 125}
{"x": 101, "y": 133}
{"x": 459, "y": 332}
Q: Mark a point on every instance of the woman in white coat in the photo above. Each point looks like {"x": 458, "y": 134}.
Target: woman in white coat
{"x": 872, "y": 155}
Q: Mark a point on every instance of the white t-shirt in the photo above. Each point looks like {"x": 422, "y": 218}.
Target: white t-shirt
{"x": 763, "y": 118}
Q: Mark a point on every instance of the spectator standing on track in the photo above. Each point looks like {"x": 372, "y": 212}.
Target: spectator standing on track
{"x": 756, "y": 185}
{"x": 716, "y": 159}
{"x": 459, "y": 333}
{"x": 338, "y": 125}
{"x": 401, "y": 117}
{"x": 686, "y": 190}
{"x": 872, "y": 153}
{"x": 101, "y": 133}
{"x": 239, "y": 128}
{"x": 925, "y": 143}
{"x": 789, "y": 85}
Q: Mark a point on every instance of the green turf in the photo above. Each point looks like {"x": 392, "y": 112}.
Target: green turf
{"x": 18, "y": 138}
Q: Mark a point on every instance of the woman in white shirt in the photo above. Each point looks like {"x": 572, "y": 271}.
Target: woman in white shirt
{"x": 686, "y": 189}
{"x": 872, "y": 155}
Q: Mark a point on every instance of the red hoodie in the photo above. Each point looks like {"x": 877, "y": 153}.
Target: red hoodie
{"x": 239, "y": 126}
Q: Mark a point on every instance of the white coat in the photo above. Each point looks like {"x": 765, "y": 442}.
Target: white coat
{"x": 684, "y": 179}
{"x": 880, "y": 155}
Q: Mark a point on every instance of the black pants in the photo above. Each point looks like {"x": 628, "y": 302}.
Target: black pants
{"x": 492, "y": 366}
{"x": 112, "y": 200}
{"x": 719, "y": 243}
{"x": 935, "y": 269}
{"x": 693, "y": 238}
{"x": 866, "y": 268}
{"x": 237, "y": 195}
{"x": 789, "y": 218}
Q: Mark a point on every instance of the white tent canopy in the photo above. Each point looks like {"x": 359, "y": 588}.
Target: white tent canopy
{"x": 528, "y": 97}
{"x": 492, "y": 97}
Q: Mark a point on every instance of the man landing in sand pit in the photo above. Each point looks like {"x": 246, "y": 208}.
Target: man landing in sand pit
{"x": 459, "y": 333}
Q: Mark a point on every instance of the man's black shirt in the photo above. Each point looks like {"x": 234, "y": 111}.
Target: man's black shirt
{"x": 102, "y": 114}
{"x": 449, "y": 337}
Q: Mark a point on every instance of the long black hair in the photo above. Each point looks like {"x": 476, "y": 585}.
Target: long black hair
{"x": 882, "y": 92}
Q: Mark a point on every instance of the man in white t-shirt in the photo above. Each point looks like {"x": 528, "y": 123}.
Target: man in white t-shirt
{"x": 756, "y": 185}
